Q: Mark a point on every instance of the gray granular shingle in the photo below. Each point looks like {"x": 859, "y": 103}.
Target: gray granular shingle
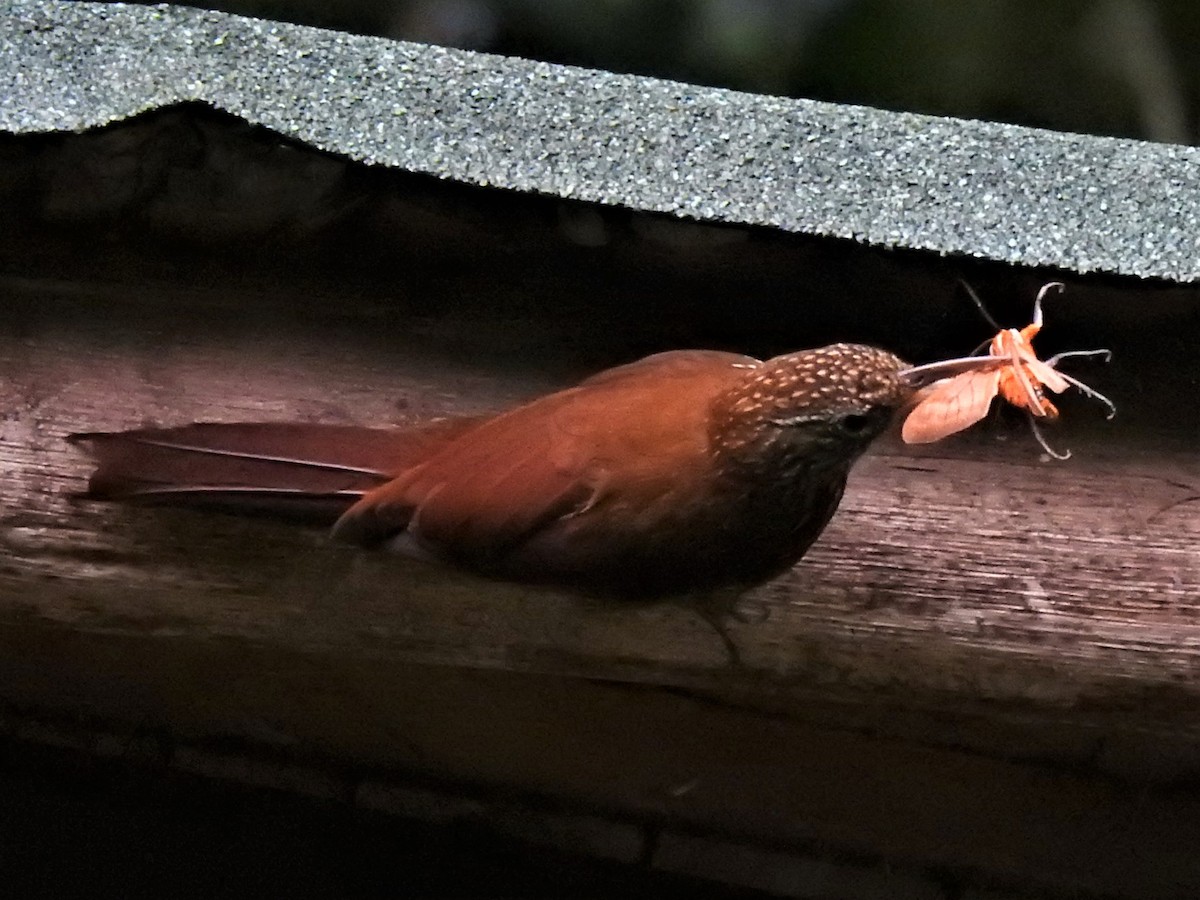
{"x": 980, "y": 189}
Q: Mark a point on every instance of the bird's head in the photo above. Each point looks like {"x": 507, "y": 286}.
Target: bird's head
{"x": 816, "y": 408}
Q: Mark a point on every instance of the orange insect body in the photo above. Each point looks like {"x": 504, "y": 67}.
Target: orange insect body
{"x": 1021, "y": 382}
{"x": 1011, "y": 370}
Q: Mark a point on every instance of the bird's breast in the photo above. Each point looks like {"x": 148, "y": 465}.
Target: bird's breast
{"x": 689, "y": 536}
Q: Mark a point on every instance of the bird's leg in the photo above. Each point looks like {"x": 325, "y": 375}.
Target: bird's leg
{"x": 716, "y": 608}
{"x": 719, "y": 625}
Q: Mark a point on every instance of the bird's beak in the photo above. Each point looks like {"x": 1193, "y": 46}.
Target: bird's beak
{"x": 919, "y": 376}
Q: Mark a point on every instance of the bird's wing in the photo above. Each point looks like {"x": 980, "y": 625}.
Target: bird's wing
{"x": 492, "y": 489}
{"x": 949, "y": 406}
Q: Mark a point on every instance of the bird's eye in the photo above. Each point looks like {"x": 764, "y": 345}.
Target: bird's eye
{"x": 854, "y": 423}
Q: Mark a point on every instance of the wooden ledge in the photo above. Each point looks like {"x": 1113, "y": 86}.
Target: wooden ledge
{"x": 988, "y": 663}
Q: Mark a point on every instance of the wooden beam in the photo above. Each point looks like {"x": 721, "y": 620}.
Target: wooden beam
{"x": 975, "y": 576}
{"x": 980, "y": 637}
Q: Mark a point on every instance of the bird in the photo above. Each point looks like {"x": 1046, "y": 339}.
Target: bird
{"x": 688, "y": 473}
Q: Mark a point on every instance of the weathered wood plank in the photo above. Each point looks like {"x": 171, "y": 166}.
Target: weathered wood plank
{"x": 649, "y": 755}
{"x": 971, "y": 622}
{"x": 961, "y": 576}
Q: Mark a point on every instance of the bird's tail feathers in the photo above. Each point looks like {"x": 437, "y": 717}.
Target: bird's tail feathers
{"x": 312, "y": 472}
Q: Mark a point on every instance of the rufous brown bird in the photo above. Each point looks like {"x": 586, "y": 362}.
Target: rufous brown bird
{"x": 684, "y": 473}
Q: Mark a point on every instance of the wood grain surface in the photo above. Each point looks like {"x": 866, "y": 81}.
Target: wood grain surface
{"x": 981, "y": 636}
{"x": 974, "y": 572}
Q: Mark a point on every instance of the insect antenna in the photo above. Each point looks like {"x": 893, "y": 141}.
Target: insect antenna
{"x": 987, "y": 316}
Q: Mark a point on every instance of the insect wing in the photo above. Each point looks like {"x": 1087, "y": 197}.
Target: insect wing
{"x": 951, "y": 406}
{"x": 1047, "y": 376}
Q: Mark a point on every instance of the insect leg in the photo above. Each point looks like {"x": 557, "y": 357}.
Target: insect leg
{"x": 1032, "y": 393}
{"x": 1092, "y": 393}
{"x": 1041, "y": 439}
{"x": 1037, "y": 304}
{"x": 1053, "y": 361}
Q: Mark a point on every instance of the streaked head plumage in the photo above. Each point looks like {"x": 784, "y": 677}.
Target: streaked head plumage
{"x": 840, "y": 396}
